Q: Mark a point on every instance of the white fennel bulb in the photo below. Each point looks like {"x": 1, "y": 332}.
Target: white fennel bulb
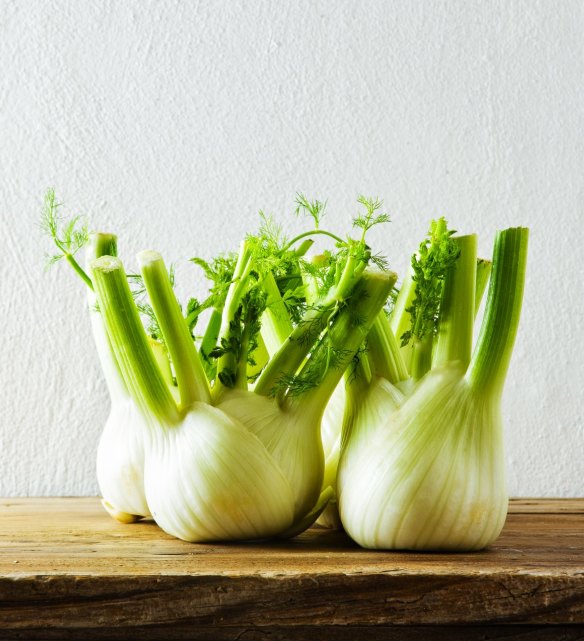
{"x": 290, "y": 436}
{"x": 427, "y": 472}
{"x": 288, "y": 422}
{"x": 286, "y": 406}
{"x": 207, "y": 475}
{"x": 198, "y": 462}
{"x": 266, "y": 419}
{"x": 120, "y": 457}
{"x": 120, "y": 453}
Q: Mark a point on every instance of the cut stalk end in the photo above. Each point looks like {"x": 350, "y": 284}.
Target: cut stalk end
{"x": 129, "y": 341}
{"x": 190, "y": 376}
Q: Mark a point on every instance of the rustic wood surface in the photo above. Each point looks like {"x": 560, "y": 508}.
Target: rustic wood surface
{"x": 67, "y": 570}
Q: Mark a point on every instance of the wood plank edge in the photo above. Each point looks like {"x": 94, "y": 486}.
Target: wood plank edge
{"x": 306, "y": 633}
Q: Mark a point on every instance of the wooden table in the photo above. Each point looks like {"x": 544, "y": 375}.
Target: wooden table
{"x": 67, "y": 571}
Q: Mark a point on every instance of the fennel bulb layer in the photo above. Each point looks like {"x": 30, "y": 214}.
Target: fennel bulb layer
{"x": 290, "y": 435}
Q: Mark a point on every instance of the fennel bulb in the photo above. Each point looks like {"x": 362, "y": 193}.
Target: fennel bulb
{"x": 426, "y": 471}
{"x": 290, "y": 435}
{"x": 120, "y": 457}
{"x": 288, "y": 422}
{"x": 290, "y": 396}
{"x": 325, "y": 282}
{"x": 207, "y": 475}
{"x": 429, "y": 474}
{"x": 120, "y": 453}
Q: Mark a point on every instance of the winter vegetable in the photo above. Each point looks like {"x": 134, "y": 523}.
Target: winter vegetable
{"x": 206, "y": 477}
{"x": 319, "y": 275}
{"x": 209, "y": 475}
{"x": 286, "y": 406}
{"x": 120, "y": 454}
{"x": 424, "y": 469}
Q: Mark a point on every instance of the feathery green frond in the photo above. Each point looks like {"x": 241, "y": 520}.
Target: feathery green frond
{"x": 313, "y": 208}
{"x": 69, "y": 236}
{"x": 370, "y": 217}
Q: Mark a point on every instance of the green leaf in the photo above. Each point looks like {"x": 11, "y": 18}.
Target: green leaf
{"x": 436, "y": 254}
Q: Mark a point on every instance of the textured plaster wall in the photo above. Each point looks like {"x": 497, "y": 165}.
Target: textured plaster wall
{"x": 173, "y": 123}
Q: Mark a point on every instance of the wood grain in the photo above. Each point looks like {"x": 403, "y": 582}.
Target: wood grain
{"x": 66, "y": 569}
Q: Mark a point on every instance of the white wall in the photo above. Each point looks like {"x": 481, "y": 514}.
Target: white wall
{"x": 173, "y": 123}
